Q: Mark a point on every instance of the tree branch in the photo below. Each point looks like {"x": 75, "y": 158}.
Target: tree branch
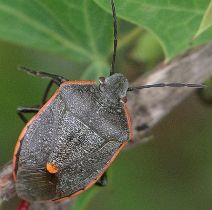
{"x": 147, "y": 106}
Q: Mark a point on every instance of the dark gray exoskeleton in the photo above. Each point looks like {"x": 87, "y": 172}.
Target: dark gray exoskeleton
{"x": 79, "y": 130}
{"x": 74, "y": 137}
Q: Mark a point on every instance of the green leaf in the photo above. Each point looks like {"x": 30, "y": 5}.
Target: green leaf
{"x": 173, "y": 22}
{"x": 79, "y": 30}
{"x": 203, "y": 37}
{"x": 206, "y": 20}
{"x": 95, "y": 70}
{"x": 148, "y": 51}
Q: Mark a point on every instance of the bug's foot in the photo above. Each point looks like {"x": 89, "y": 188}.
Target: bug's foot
{"x": 102, "y": 180}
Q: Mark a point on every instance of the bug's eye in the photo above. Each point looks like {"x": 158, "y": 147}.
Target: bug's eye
{"x": 101, "y": 80}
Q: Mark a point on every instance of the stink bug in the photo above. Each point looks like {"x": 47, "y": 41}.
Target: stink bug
{"x": 74, "y": 136}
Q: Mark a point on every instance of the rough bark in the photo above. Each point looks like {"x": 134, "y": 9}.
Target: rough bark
{"x": 147, "y": 106}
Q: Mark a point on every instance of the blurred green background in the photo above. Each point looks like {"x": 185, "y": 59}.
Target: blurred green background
{"x": 172, "y": 171}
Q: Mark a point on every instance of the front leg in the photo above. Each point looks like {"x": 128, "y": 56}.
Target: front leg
{"x": 22, "y": 110}
{"x": 55, "y": 78}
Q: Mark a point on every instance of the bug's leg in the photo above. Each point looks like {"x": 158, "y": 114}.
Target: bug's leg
{"x": 102, "y": 180}
{"x": 55, "y": 78}
{"x": 23, "y": 110}
{"x": 46, "y": 92}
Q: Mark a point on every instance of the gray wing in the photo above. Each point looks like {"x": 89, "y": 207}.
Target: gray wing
{"x": 64, "y": 139}
{"x": 78, "y": 135}
{"x": 81, "y": 154}
{"x": 34, "y": 183}
{"x": 32, "y": 180}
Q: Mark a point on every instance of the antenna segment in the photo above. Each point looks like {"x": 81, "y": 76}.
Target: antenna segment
{"x": 112, "y": 71}
{"x": 166, "y": 85}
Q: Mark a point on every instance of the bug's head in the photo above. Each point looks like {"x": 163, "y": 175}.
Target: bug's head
{"x": 114, "y": 87}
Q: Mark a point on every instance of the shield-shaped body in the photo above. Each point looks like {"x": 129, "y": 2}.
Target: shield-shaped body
{"x": 80, "y": 132}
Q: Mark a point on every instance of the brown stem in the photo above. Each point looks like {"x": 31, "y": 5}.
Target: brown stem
{"x": 149, "y": 106}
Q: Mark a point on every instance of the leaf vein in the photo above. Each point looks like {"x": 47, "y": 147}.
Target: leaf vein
{"x": 41, "y": 28}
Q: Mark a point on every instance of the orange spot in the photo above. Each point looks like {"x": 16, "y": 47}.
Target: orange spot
{"x": 51, "y": 168}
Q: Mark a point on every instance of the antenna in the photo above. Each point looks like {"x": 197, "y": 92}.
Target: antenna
{"x": 115, "y": 37}
{"x": 190, "y": 85}
{"x": 112, "y": 71}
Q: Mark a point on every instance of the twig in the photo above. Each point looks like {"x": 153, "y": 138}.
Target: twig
{"x": 147, "y": 107}
{"x": 7, "y": 189}
{"x": 50, "y": 205}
